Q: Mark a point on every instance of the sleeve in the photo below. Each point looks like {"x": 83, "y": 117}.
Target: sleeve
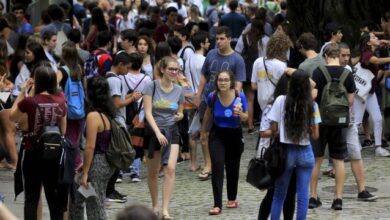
{"x": 25, "y": 105}
{"x": 115, "y": 86}
{"x": 365, "y": 58}
{"x": 188, "y": 53}
{"x": 276, "y": 110}
{"x": 350, "y": 83}
{"x": 205, "y": 66}
{"x": 209, "y": 99}
{"x": 254, "y": 71}
{"x": 244, "y": 102}
{"x": 239, "y": 69}
{"x": 316, "y": 114}
{"x": 149, "y": 89}
{"x": 240, "y": 45}
{"x": 315, "y": 76}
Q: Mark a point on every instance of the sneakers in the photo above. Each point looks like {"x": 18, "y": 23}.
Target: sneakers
{"x": 382, "y": 152}
{"x": 135, "y": 179}
{"x": 337, "y": 204}
{"x": 117, "y": 197}
{"x": 119, "y": 180}
{"x": 366, "y": 196}
{"x": 314, "y": 203}
{"x": 367, "y": 143}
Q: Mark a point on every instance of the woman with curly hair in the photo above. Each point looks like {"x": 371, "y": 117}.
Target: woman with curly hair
{"x": 295, "y": 117}
{"x": 145, "y": 47}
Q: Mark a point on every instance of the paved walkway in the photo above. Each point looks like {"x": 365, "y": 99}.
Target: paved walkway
{"x": 192, "y": 198}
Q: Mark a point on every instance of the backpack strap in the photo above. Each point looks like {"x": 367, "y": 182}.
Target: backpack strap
{"x": 184, "y": 50}
{"x": 325, "y": 73}
{"x": 192, "y": 78}
{"x": 344, "y": 76}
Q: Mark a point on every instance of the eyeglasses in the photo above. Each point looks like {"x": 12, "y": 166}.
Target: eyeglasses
{"x": 223, "y": 80}
{"x": 173, "y": 69}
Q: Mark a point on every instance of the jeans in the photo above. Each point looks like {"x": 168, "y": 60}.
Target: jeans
{"x": 135, "y": 167}
{"x": 302, "y": 158}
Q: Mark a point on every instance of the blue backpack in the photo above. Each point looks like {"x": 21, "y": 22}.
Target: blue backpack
{"x": 75, "y": 95}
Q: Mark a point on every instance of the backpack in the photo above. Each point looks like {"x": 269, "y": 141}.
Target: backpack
{"x": 91, "y": 67}
{"x": 61, "y": 39}
{"x": 120, "y": 153}
{"x": 334, "y": 107}
{"x": 75, "y": 95}
{"x": 48, "y": 141}
{"x": 249, "y": 54}
{"x": 132, "y": 108}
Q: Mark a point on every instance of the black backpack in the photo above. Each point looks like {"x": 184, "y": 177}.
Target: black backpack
{"x": 249, "y": 54}
{"x": 132, "y": 108}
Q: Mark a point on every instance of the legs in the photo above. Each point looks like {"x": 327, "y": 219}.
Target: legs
{"x": 54, "y": 195}
{"x": 169, "y": 177}
{"x": 250, "y": 96}
{"x": 153, "y": 166}
{"x": 374, "y": 110}
{"x": 8, "y": 133}
{"x": 232, "y": 165}
{"x": 206, "y": 155}
{"x": 32, "y": 186}
{"x": 340, "y": 177}
{"x": 217, "y": 155}
{"x": 314, "y": 177}
{"x": 358, "y": 173}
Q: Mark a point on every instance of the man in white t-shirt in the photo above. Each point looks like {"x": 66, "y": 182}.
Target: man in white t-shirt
{"x": 187, "y": 50}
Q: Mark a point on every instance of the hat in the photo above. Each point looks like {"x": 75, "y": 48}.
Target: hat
{"x": 333, "y": 27}
{"x": 3, "y": 24}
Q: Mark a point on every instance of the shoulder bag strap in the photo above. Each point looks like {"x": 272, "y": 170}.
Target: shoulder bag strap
{"x": 104, "y": 123}
{"x": 139, "y": 82}
{"x": 266, "y": 71}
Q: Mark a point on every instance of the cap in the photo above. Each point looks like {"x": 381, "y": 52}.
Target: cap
{"x": 3, "y": 24}
{"x": 333, "y": 27}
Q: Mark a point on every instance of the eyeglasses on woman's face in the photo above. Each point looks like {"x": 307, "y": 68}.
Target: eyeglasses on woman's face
{"x": 172, "y": 69}
{"x": 223, "y": 80}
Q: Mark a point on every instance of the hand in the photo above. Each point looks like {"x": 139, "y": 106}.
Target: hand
{"x": 84, "y": 180}
{"x": 179, "y": 116}
{"x": 136, "y": 95}
{"x": 237, "y": 110}
{"x": 196, "y": 101}
{"x": 162, "y": 139}
{"x": 26, "y": 85}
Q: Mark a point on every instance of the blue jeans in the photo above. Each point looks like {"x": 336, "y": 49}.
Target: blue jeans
{"x": 136, "y": 167}
{"x": 302, "y": 158}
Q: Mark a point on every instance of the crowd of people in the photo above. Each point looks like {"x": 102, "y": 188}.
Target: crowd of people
{"x": 191, "y": 74}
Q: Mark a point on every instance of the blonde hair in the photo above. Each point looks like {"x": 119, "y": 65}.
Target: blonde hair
{"x": 162, "y": 64}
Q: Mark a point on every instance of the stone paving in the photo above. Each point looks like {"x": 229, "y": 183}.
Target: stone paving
{"x": 193, "y": 198}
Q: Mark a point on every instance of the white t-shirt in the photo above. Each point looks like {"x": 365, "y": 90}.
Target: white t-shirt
{"x": 265, "y": 124}
{"x": 187, "y": 53}
{"x": 193, "y": 70}
{"x": 182, "y": 11}
{"x": 265, "y": 88}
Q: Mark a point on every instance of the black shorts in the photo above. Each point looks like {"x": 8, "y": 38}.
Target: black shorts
{"x": 335, "y": 138}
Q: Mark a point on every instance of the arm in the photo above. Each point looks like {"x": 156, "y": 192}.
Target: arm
{"x": 202, "y": 83}
{"x": 378, "y": 61}
{"x": 63, "y": 125}
{"x": 315, "y": 131}
{"x": 238, "y": 86}
{"x": 128, "y": 99}
{"x": 274, "y": 128}
{"x": 92, "y": 124}
{"x": 206, "y": 119}
{"x": 179, "y": 115}
{"x": 15, "y": 113}
{"x": 59, "y": 77}
{"x": 350, "y": 99}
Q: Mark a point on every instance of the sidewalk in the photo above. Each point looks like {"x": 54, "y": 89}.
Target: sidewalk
{"x": 192, "y": 198}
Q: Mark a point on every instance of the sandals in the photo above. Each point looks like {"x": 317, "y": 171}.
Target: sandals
{"x": 204, "y": 175}
{"x": 215, "y": 211}
{"x": 232, "y": 204}
{"x": 166, "y": 217}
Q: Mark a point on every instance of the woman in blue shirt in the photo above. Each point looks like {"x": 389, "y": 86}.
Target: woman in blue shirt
{"x": 227, "y": 108}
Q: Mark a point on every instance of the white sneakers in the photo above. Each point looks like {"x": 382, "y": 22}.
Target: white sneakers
{"x": 382, "y": 152}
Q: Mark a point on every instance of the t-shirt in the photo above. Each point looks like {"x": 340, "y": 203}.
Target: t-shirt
{"x": 116, "y": 89}
{"x": 277, "y": 115}
{"x": 265, "y": 124}
{"x": 84, "y": 54}
{"x": 265, "y": 88}
{"x": 148, "y": 69}
{"x": 193, "y": 68}
{"x": 365, "y": 63}
{"x": 224, "y": 116}
{"x": 215, "y": 62}
{"x": 53, "y": 106}
{"x": 309, "y": 65}
{"x": 165, "y": 105}
{"x": 335, "y": 72}
{"x": 236, "y": 22}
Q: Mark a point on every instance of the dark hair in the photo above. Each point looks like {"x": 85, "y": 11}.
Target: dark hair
{"x": 47, "y": 35}
{"x": 183, "y": 31}
{"x": 18, "y": 6}
{"x": 386, "y": 16}
{"x": 45, "y": 16}
{"x": 307, "y": 41}
{"x": 70, "y": 57}
{"x": 255, "y": 33}
{"x": 233, "y": 5}
{"x": 130, "y": 35}
{"x": 364, "y": 39}
{"x": 278, "y": 46}
{"x": 143, "y": 6}
{"x": 103, "y": 38}
{"x": 231, "y": 76}
{"x": 121, "y": 57}
{"x": 123, "y": 10}
{"x": 136, "y": 61}
{"x": 170, "y": 10}
{"x": 3, "y": 57}
{"x": 198, "y": 38}
{"x": 74, "y": 35}
{"x": 55, "y": 12}
{"x": 213, "y": 2}
{"x": 175, "y": 44}
{"x": 224, "y": 30}
{"x": 97, "y": 18}
{"x": 45, "y": 79}
{"x": 39, "y": 55}
{"x": 136, "y": 212}
{"x": 343, "y": 45}
{"x": 162, "y": 50}
{"x": 283, "y": 5}
{"x": 332, "y": 50}
{"x": 298, "y": 107}
{"x": 281, "y": 87}
{"x": 149, "y": 41}
{"x": 190, "y": 25}
{"x": 99, "y": 98}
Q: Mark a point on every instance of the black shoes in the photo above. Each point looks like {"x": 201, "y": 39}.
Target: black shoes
{"x": 314, "y": 203}
{"x": 366, "y": 196}
{"x": 337, "y": 204}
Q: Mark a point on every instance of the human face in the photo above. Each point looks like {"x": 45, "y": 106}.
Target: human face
{"x": 223, "y": 42}
{"x": 172, "y": 18}
{"x": 177, "y": 34}
{"x": 206, "y": 44}
{"x": 338, "y": 36}
{"x": 223, "y": 82}
{"x": 28, "y": 56}
{"x": 171, "y": 70}
{"x": 124, "y": 68}
{"x": 142, "y": 46}
{"x": 374, "y": 41}
{"x": 345, "y": 54}
{"x": 19, "y": 14}
{"x": 52, "y": 43}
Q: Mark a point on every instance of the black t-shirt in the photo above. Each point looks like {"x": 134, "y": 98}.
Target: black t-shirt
{"x": 335, "y": 72}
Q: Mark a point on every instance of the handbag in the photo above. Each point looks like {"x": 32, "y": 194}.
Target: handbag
{"x": 276, "y": 157}
{"x": 258, "y": 175}
{"x": 137, "y": 129}
{"x": 362, "y": 77}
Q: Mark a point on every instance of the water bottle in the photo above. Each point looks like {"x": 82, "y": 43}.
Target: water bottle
{"x": 237, "y": 103}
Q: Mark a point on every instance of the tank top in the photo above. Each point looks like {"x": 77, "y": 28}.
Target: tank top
{"x": 102, "y": 139}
